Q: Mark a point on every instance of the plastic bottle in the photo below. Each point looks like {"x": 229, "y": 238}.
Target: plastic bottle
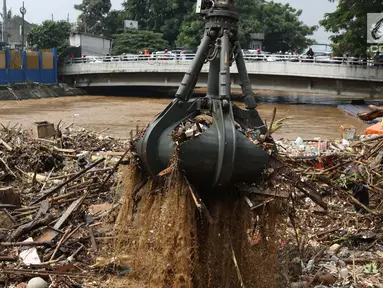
{"x": 343, "y": 273}
{"x": 299, "y": 141}
{"x": 310, "y": 266}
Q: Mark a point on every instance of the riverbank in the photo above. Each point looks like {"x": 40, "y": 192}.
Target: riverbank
{"x": 37, "y": 91}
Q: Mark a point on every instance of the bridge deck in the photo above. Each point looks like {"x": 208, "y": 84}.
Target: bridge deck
{"x": 295, "y": 69}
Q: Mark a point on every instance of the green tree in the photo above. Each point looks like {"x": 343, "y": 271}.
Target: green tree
{"x": 93, "y": 15}
{"x": 51, "y": 34}
{"x": 280, "y": 23}
{"x": 349, "y": 25}
{"x": 162, "y": 16}
{"x": 138, "y": 40}
{"x": 283, "y": 29}
{"x": 191, "y": 30}
{"x": 113, "y": 23}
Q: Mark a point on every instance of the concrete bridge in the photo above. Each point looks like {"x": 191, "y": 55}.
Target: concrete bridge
{"x": 311, "y": 78}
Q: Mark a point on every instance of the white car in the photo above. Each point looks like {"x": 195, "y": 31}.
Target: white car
{"x": 92, "y": 59}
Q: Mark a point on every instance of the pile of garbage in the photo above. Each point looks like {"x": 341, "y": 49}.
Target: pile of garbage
{"x": 335, "y": 215}
{"x": 59, "y": 192}
{"x": 333, "y": 193}
{"x": 58, "y": 186}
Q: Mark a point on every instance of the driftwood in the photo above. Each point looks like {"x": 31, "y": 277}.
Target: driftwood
{"x": 22, "y": 230}
{"x": 56, "y": 188}
{"x": 372, "y": 113}
{"x": 24, "y": 244}
{"x": 9, "y": 258}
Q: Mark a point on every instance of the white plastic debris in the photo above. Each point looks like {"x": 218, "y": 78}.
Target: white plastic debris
{"x": 37, "y": 282}
{"x": 333, "y": 249}
{"x": 310, "y": 266}
{"x": 30, "y": 256}
{"x": 343, "y": 273}
{"x": 189, "y": 132}
{"x": 299, "y": 141}
{"x": 345, "y": 143}
{"x": 203, "y": 127}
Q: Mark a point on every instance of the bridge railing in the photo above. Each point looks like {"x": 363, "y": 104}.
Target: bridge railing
{"x": 161, "y": 58}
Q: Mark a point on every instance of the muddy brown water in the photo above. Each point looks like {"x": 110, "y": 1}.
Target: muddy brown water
{"x": 122, "y": 114}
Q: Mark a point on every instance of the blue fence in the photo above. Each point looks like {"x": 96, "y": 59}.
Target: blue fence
{"x": 27, "y": 66}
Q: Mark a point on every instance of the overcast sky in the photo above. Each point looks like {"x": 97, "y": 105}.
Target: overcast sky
{"x": 39, "y": 10}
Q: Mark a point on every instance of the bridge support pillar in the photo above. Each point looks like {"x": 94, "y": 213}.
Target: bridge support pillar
{"x": 339, "y": 87}
{"x": 310, "y": 84}
{"x": 375, "y": 90}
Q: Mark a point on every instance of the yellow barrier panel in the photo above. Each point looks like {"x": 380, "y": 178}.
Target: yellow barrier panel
{"x": 47, "y": 61}
{"x": 3, "y": 64}
{"x": 16, "y": 60}
{"x": 32, "y": 60}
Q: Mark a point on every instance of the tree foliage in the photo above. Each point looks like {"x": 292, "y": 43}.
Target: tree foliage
{"x": 93, "y": 15}
{"x": 191, "y": 30}
{"x": 280, "y": 23}
{"x": 283, "y": 29}
{"x": 161, "y": 16}
{"x": 349, "y": 25}
{"x": 138, "y": 40}
{"x": 113, "y": 23}
{"x": 51, "y": 34}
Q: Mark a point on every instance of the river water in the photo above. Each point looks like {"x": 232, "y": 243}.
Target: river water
{"x": 121, "y": 114}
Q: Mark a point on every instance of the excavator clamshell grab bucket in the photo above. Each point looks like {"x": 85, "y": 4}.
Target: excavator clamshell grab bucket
{"x": 208, "y": 160}
{"x": 221, "y": 154}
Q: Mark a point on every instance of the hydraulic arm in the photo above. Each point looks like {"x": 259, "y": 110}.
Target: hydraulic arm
{"x": 222, "y": 154}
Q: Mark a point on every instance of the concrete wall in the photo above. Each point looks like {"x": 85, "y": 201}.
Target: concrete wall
{"x": 90, "y": 45}
{"x": 37, "y": 91}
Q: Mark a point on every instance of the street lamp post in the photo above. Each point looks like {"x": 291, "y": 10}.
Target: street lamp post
{"x": 23, "y": 11}
{"x": 4, "y": 31}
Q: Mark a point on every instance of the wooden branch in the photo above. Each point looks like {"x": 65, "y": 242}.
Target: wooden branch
{"x": 6, "y": 145}
{"x": 58, "y": 187}
{"x": 59, "y": 245}
{"x": 9, "y": 258}
{"x": 23, "y": 229}
{"x": 24, "y": 244}
{"x": 271, "y": 124}
{"x": 239, "y": 275}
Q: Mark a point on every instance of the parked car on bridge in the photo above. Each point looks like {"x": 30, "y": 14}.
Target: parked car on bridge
{"x": 163, "y": 55}
{"x": 319, "y": 56}
{"x": 130, "y": 57}
{"x": 92, "y": 59}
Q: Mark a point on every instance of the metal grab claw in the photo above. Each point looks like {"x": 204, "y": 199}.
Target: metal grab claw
{"x": 221, "y": 155}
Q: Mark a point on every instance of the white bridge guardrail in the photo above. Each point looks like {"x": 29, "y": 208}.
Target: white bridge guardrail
{"x": 248, "y": 58}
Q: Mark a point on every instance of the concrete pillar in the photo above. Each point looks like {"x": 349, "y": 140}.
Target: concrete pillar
{"x": 40, "y": 66}
{"x": 55, "y": 64}
{"x": 339, "y": 87}
{"x": 24, "y": 57}
{"x": 8, "y": 65}
{"x": 310, "y": 84}
{"x": 373, "y": 89}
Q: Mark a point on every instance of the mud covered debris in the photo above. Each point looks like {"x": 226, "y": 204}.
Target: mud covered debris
{"x": 56, "y": 194}
{"x": 311, "y": 221}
